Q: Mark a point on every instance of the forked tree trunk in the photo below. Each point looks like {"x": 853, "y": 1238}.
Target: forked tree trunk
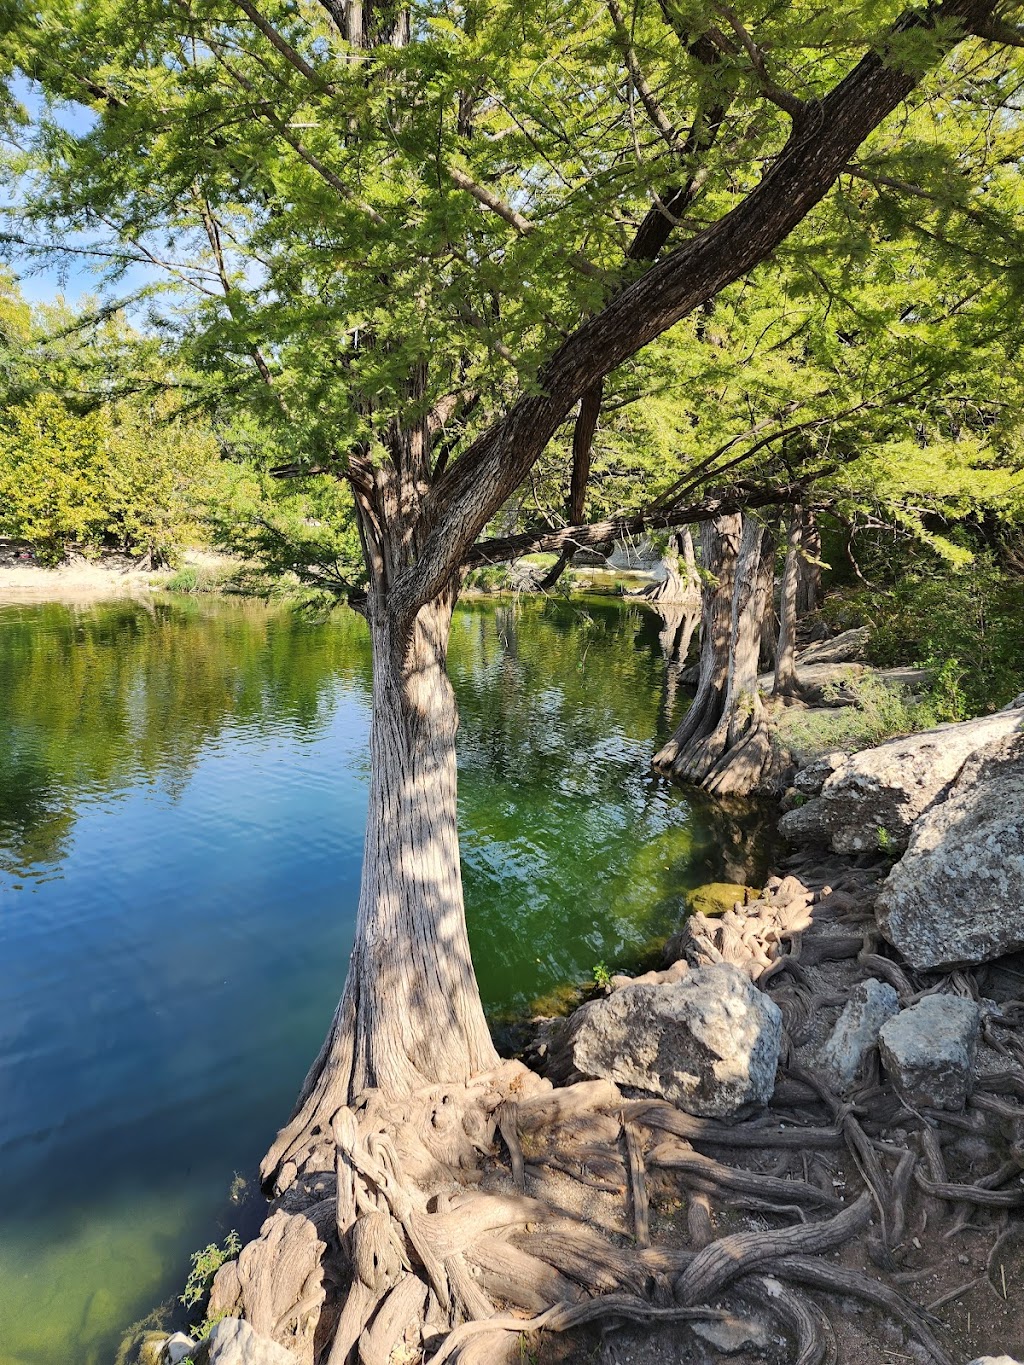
{"x": 723, "y": 743}
{"x": 410, "y": 1013}
{"x": 786, "y": 682}
{"x": 682, "y": 579}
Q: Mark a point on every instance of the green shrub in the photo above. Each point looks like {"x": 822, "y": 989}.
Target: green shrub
{"x": 879, "y": 712}
{"x": 490, "y": 578}
{"x": 205, "y": 1264}
{"x": 964, "y": 625}
{"x": 185, "y": 580}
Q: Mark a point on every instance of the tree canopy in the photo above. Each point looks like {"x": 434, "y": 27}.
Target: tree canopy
{"x": 357, "y": 222}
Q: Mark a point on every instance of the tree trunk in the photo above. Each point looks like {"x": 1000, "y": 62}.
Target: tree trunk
{"x": 682, "y": 580}
{"x": 808, "y": 592}
{"x": 410, "y": 1014}
{"x": 679, "y": 620}
{"x": 786, "y": 682}
{"x": 769, "y": 620}
{"x": 723, "y": 742}
{"x": 720, "y": 541}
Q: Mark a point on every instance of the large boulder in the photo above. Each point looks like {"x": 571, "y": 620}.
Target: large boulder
{"x": 875, "y": 796}
{"x": 957, "y": 894}
{"x": 928, "y": 1051}
{"x": 233, "y": 1342}
{"x": 708, "y": 1042}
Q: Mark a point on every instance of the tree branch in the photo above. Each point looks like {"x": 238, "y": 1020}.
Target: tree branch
{"x": 771, "y": 90}
{"x": 492, "y": 201}
{"x": 655, "y": 112}
{"x": 284, "y": 47}
{"x": 261, "y": 108}
{"x": 819, "y": 147}
{"x": 744, "y": 498}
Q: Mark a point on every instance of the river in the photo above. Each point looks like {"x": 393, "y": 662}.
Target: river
{"x": 182, "y": 799}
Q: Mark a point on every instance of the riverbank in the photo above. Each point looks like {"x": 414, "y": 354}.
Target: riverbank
{"x": 80, "y": 579}
{"x": 793, "y": 1104}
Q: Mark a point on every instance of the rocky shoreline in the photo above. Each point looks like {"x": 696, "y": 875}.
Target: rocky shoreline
{"x": 803, "y": 1137}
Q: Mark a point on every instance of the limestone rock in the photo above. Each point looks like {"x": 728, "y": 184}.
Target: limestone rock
{"x": 733, "y": 1334}
{"x": 891, "y": 786}
{"x": 928, "y": 1050}
{"x": 810, "y": 779}
{"x": 957, "y": 894}
{"x": 871, "y": 1003}
{"x": 177, "y": 1348}
{"x": 714, "y": 898}
{"x": 995, "y": 1360}
{"x": 839, "y": 649}
{"x": 233, "y": 1342}
{"x": 708, "y": 1042}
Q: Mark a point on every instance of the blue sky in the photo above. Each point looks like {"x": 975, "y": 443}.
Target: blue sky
{"x": 70, "y": 276}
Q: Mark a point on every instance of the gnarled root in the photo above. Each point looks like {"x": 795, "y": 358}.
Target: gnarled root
{"x": 453, "y": 1220}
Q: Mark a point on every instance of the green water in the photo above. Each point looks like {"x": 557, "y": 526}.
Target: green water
{"x": 182, "y": 800}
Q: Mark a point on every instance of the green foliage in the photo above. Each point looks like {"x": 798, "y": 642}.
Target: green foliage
{"x": 96, "y": 449}
{"x": 52, "y": 465}
{"x": 205, "y": 1264}
{"x": 186, "y": 580}
{"x": 489, "y": 578}
{"x": 198, "y": 578}
{"x": 122, "y": 478}
{"x": 964, "y": 625}
{"x": 452, "y": 207}
{"x": 300, "y": 529}
{"x": 879, "y": 712}
{"x": 602, "y": 976}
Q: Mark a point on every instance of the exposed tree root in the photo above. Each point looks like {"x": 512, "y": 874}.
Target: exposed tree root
{"x": 451, "y": 1221}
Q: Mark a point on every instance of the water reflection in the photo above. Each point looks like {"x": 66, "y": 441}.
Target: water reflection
{"x": 182, "y": 800}
{"x": 101, "y": 698}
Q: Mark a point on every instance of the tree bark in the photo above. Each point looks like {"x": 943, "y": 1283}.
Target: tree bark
{"x": 808, "y": 593}
{"x": 786, "y": 682}
{"x": 723, "y": 743}
{"x": 769, "y": 620}
{"x": 410, "y": 1014}
{"x": 682, "y": 581}
{"x": 720, "y": 540}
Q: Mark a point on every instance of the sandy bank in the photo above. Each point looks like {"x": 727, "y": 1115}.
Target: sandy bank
{"x": 79, "y": 579}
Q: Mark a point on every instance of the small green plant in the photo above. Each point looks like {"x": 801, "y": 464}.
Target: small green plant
{"x": 948, "y": 698}
{"x": 878, "y": 712}
{"x": 602, "y": 976}
{"x": 884, "y": 840}
{"x": 205, "y": 1264}
{"x": 186, "y": 580}
{"x": 527, "y": 1355}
